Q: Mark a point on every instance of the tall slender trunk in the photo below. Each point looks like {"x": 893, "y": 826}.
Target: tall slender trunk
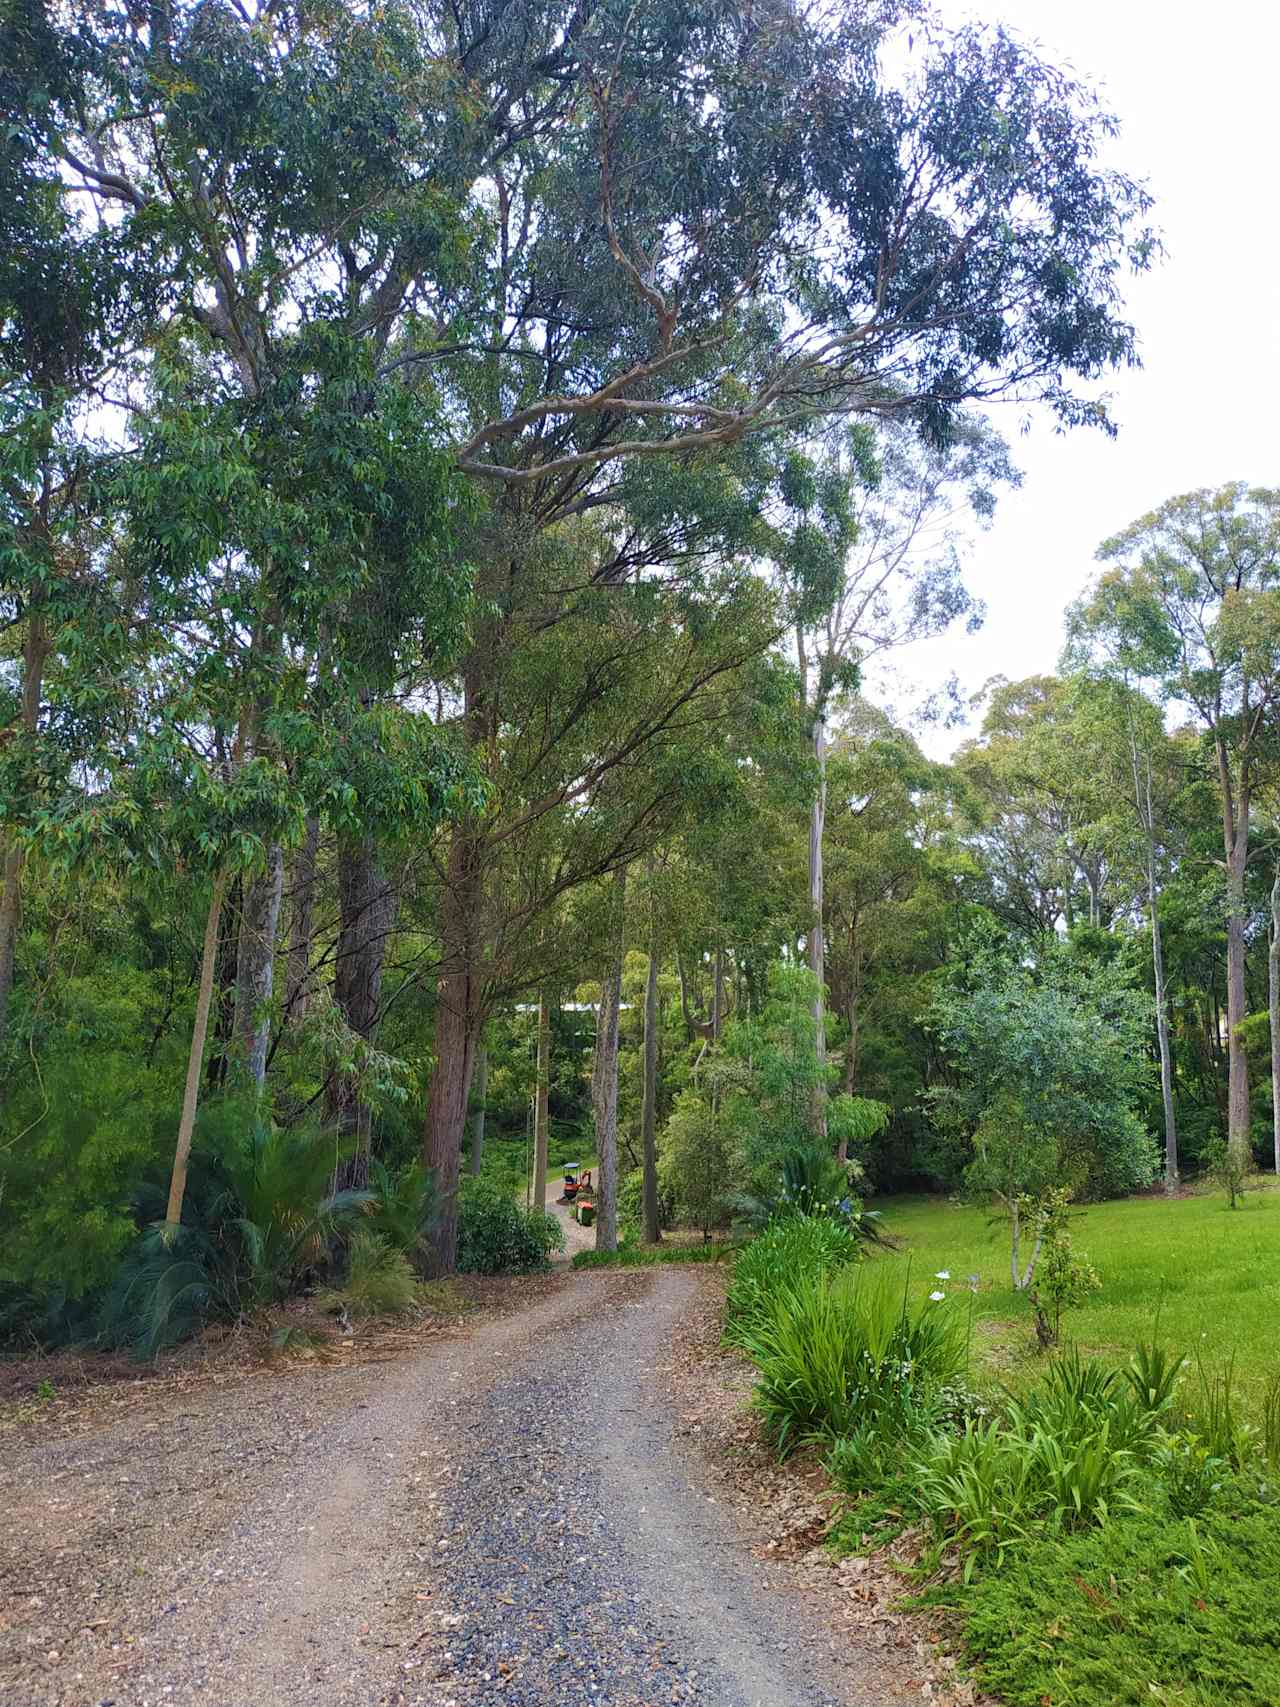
{"x": 1273, "y": 1005}
{"x": 1235, "y": 826}
{"x": 195, "y": 1055}
{"x": 817, "y": 955}
{"x": 477, "y": 1124}
{"x": 302, "y": 903}
{"x": 604, "y": 1074}
{"x": 367, "y": 910}
{"x": 459, "y": 1022}
{"x": 542, "y": 1109}
{"x": 649, "y": 1102}
{"x": 1142, "y": 798}
{"x": 1162, "y": 1040}
{"x": 36, "y": 647}
{"x": 255, "y": 966}
{"x": 223, "y": 1014}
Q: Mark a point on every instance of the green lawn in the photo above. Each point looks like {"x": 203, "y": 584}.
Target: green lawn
{"x": 1212, "y": 1275}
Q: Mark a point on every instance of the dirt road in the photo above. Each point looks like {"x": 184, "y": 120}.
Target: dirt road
{"x": 504, "y": 1518}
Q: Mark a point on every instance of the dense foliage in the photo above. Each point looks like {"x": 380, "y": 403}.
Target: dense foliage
{"x": 434, "y": 581}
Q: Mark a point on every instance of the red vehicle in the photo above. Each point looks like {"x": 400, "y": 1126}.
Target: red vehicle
{"x": 578, "y": 1193}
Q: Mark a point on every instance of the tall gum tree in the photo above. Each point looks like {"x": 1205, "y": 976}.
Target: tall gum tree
{"x": 1193, "y": 604}
{"x": 714, "y": 252}
{"x": 866, "y": 550}
{"x": 680, "y": 228}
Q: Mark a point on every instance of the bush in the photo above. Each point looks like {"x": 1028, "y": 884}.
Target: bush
{"x": 696, "y": 1169}
{"x": 258, "y": 1221}
{"x": 1067, "y": 1454}
{"x": 380, "y": 1280}
{"x": 791, "y": 1247}
{"x": 404, "y": 1204}
{"x": 166, "y": 1288}
{"x": 836, "y": 1353}
{"x": 497, "y": 1236}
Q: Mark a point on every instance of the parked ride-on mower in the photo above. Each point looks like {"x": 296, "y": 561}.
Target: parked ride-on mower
{"x": 579, "y": 1195}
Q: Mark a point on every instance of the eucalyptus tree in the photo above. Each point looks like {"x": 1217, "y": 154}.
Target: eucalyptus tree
{"x": 286, "y": 175}
{"x": 616, "y": 242}
{"x": 868, "y": 526}
{"x": 71, "y": 313}
{"x": 614, "y": 719}
{"x": 1036, "y": 809}
{"x": 232, "y": 730}
{"x": 1116, "y": 737}
{"x": 1193, "y": 605}
{"x": 878, "y": 856}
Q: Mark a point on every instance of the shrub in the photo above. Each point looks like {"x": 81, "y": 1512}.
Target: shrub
{"x": 258, "y": 1219}
{"x": 1067, "y": 1453}
{"x": 791, "y": 1247}
{"x": 696, "y": 1168}
{"x": 836, "y": 1353}
{"x": 404, "y": 1204}
{"x": 166, "y": 1288}
{"x": 497, "y": 1236}
{"x": 380, "y": 1280}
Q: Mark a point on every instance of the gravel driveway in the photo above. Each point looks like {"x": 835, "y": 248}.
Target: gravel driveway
{"x": 505, "y": 1518}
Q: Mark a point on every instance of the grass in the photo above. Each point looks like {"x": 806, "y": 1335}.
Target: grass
{"x": 1142, "y": 1612}
{"x": 1212, "y": 1274}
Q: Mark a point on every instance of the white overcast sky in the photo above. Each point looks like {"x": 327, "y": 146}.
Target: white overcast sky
{"x": 1197, "y": 95}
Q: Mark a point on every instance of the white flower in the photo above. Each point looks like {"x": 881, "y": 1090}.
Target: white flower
{"x": 936, "y": 1297}
{"x": 943, "y": 1274}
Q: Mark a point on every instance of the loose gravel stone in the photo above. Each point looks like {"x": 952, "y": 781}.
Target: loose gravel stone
{"x": 505, "y": 1518}
{"x": 592, "y": 1569}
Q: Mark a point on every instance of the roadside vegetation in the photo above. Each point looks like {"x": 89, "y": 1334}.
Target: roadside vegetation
{"x": 1201, "y": 1273}
{"x": 1101, "y": 1527}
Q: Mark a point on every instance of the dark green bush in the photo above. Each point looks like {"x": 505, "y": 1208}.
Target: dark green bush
{"x": 497, "y": 1236}
{"x": 791, "y": 1247}
{"x": 631, "y": 1203}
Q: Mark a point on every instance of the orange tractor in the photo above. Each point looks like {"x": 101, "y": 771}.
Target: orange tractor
{"x": 579, "y": 1195}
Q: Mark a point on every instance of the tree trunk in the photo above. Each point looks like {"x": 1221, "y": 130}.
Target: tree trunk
{"x": 477, "y": 1125}
{"x": 1162, "y": 1038}
{"x": 542, "y": 1108}
{"x": 817, "y": 957}
{"x": 1273, "y": 1005}
{"x": 35, "y": 652}
{"x": 649, "y": 1103}
{"x": 459, "y": 1023}
{"x": 224, "y": 986}
{"x": 302, "y": 898}
{"x": 1238, "y": 1137}
{"x": 604, "y": 1075}
{"x": 1143, "y": 802}
{"x": 367, "y": 907}
{"x": 255, "y": 967}
{"x": 195, "y": 1055}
